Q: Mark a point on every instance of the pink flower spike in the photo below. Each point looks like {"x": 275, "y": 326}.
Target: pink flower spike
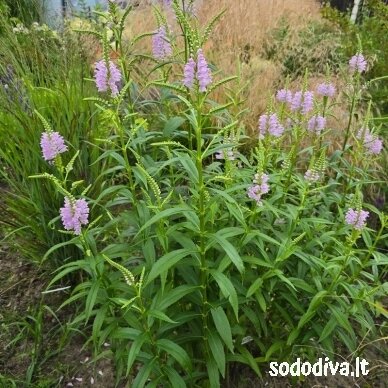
{"x": 356, "y": 218}
{"x": 189, "y": 73}
{"x": 357, "y": 63}
{"x": 161, "y": 46}
{"x": 326, "y": 90}
{"x": 316, "y": 124}
{"x": 105, "y": 79}
{"x": 74, "y": 214}
{"x": 284, "y": 95}
{"x": 52, "y": 144}
{"x": 312, "y": 176}
{"x": 203, "y": 72}
{"x": 371, "y": 142}
{"x": 260, "y": 186}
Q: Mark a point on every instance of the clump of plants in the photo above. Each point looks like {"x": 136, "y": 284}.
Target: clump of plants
{"x": 23, "y": 11}
{"x": 194, "y": 255}
{"x": 313, "y": 47}
{"x": 369, "y": 32}
{"x": 45, "y": 71}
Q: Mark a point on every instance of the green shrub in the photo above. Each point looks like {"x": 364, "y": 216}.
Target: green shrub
{"x": 40, "y": 70}
{"x": 370, "y": 35}
{"x": 25, "y": 11}
{"x": 314, "y": 48}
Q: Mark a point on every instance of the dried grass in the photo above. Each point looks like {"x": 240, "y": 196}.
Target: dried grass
{"x": 237, "y": 43}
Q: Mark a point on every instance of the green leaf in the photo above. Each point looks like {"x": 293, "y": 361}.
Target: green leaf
{"x": 160, "y": 315}
{"x": 68, "y": 268}
{"x": 349, "y": 341}
{"x": 276, "y": 346}
{"x": 341, "y": 318}
{"x": 175, "y": 379}
{"x": 256, "y": 261}
{"x": 227, "y": 289}
{"x": 262, "y": 236}
{"x": 300, "y": 283}
{"x": 189, "y": 166}
{"x": 126, "y": 333}
{"x": 175, "y": 351}
{"x": 166, "y": 262}
{"x": 254, "y": 287}
{"x": 144, "y": 373}
{"x": 279, "y": 274}
{"x": 212, "y": 371}
{"x": 171, "y": 125}
{"x": 174, "y": 295}
{"x": 223, "y": 327}
{"x": 314, "y": 304}
{"x": 260, "y": 298}
{"x": 135, "y": 350}
{"x": 245, "y": 357}
{"x": 217, "y": 350}
{"x": 57, "y": 246}
{"x": 164, "y": 214}
{"x": 293, "y": 336}
{"x": 328, "y": 329}
{"x": 91, "y": 299}
{"x": 98, "y": 321}
{"x": 380, "y": 259}
{"x": 230, "y": 250}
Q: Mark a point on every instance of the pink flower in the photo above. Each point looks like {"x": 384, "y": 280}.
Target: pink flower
{"x": 308, "y": 102}
{"x": 189, "y": 73}
{"x": 260, "y": 186}
{"x": 372, "y": 143}
{"x": 316, "y": 124}
{"x": 303, "y": 101}
{"x": 161, "y": 46}
{"x": 269, "y": 124}
{"x": 105, "y": 79}
{"x": 356, "y": 218}
{"x": 327, "y": 90}
{"x": 357, "y": 63}
{"x": 284, "y": 95}
{"x": 52, "y": 144}
{"x": 312, "y": 176}
{"x": 203, "y": 72}
{"x": 225, "y": 154}
{"x": 74, "y": 214}
{"x": 199, "y": 71}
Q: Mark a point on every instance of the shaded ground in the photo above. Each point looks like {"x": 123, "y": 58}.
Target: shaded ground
{"x": 34, "y": 347}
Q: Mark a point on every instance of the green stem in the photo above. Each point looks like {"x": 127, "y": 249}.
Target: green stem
{"x": 298, "y": 214}
{"x": 202, "y": 212}
{"x": 373, "y": 247}
{"x": 325, "y": 100}
{"x": 128, "y": 167}
{"x": 345, "y": 262}
{"x": 347, "y": 133}
{"x": 371, "y": 250}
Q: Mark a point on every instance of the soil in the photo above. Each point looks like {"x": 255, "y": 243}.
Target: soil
{"x": 59, "y": 359}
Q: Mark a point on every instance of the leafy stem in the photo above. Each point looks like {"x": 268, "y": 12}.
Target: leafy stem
{"x": 201, "y": 208}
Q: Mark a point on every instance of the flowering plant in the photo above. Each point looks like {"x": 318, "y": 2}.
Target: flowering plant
{"x": 204, "y": 248}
